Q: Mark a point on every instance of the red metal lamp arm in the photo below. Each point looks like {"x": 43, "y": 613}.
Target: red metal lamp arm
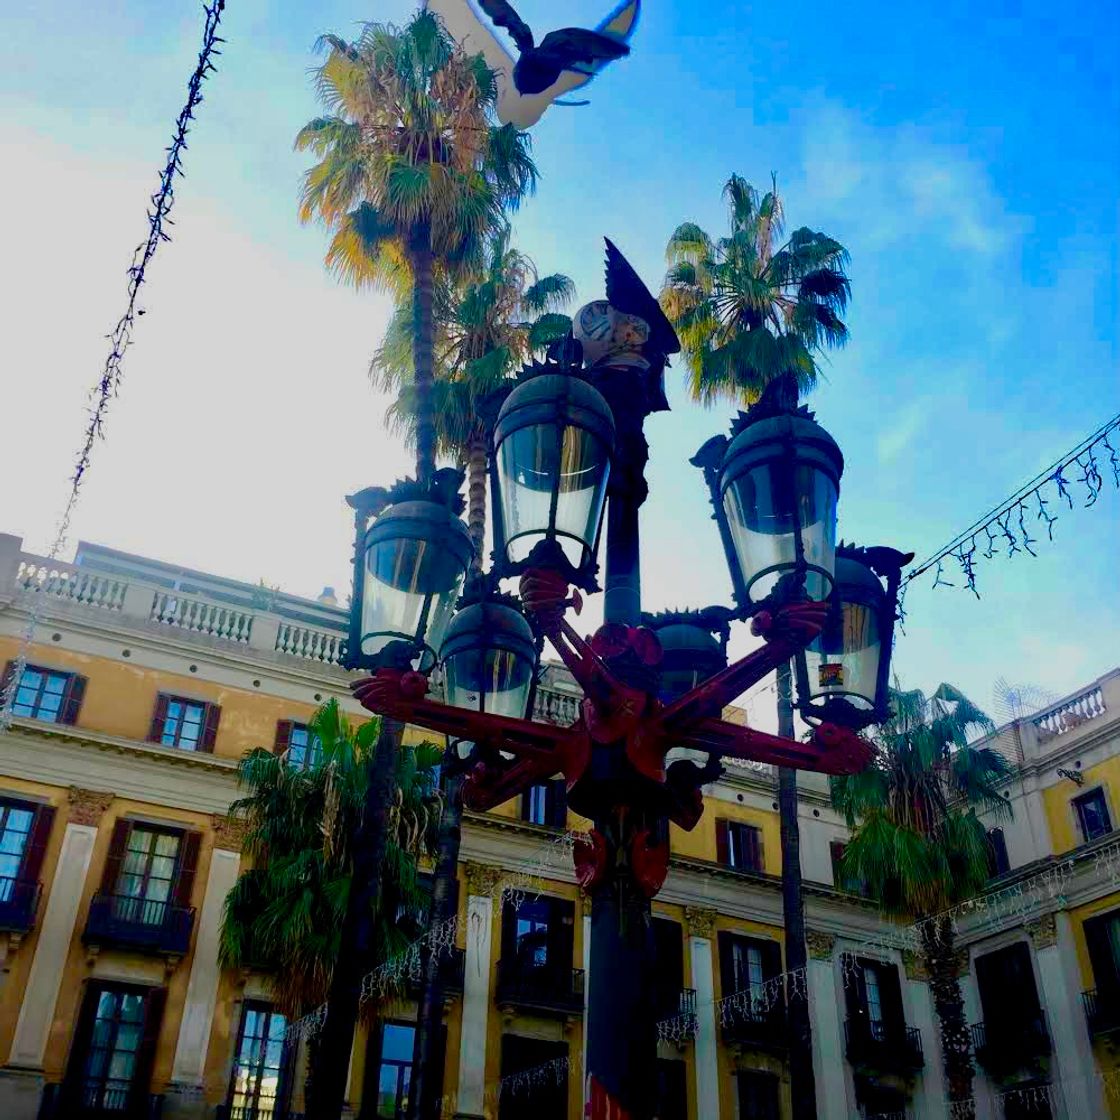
{"x": 786, "y": 631}
{"x": 832, "y": 750}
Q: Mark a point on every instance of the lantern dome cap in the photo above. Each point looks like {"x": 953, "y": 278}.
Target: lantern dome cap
{"x": 687, "y": 636}
{"x": 548, "y": 397}
{"x": 492, "y": 623}
{"x": 770, "y": 437}
{"x": 854, "y": 576}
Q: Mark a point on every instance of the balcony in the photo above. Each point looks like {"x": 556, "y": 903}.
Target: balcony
{"x": 752, "y": 1023}
{"x": 452, "y": 966}
{"x": 1004, "y": 1047}
{"x": 1102, "y": 1010}
{"x": 883, "y": 1046}
{"x": 543, "y": 989}
{"x": 675, "y": 1009}
{"x": 19, "y": 903}
{"x": 124, "y": 922}
{"x": 266, "y": 1110}
{"x": 128, "y": 1105}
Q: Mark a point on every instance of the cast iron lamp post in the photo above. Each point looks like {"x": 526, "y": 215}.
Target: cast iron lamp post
{"x": 557, "y": 450}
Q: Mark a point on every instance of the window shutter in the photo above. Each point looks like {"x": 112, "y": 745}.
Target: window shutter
{"x": 723, "y": 846}
{"x": 1099, "y": 944}
{"x": 527, "y": 804}
{"x": 79, "y": 1048}
{"x": 9, "y": 672}
{"x": 210, "y": 731}
{"x": 726, "y": 962}
{"x": 283, "y": 736}
{"x": 159, "y": 717}
{"x": 771, "y": 959}
{"x": 154, "y": 1003}
{"x": 855, "y": 990}
{"x": 561, "y": 933}
{"x": 757, "y": 862}
{"x": 891, "y": 988}
{"x": 37, "y": 843}
{"x": 557, "y": 804}
{"x": 118, "y": 842}
{"x": 72, "y": 699}
{"x": 509, "y": 931}
{"x": 188, "y": 866}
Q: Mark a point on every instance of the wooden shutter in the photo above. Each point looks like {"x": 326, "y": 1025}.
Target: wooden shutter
{"x": 556, "y": 803}
{"x": 668, "y": 941}
{"x": 771, "y": 959}
{"x": 79, "y": 1048}
{"x": 37, "y": 843}
{"x": 836, "y": 850}
{"x": 72, "y": 699}
{"x": 154, "y": 1002}
{"x": 726, "y": 941}
{"x": 159, "y": 717}
{"x": 723, "y": 845}
{"x": 890, "y": 992}
{"x": 5, "y": 680}
{"x": 188, "y": 865}
{"x": 509, "y": 931}
{"x": 561, "y": 933}
{"x": 118, "y": 842}
{"x": 213, "y": 713}
{"x": 1101, "y": 957}
{"x": 527, "y": 804}
{"x": 855, "y": 990}
{"x": 284, "y": 736}
{"x": 754, "y": 847}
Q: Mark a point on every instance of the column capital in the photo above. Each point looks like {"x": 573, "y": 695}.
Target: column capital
{"x": 915, "y": 965}
{"x": 820, "y": 945}
{"x": 229, "y": 832}
{"x": 481, "y": 878}
{"x": 1043, "y": 932}
{"x": 701, "y": 921}
{"x": 87, "y": 806}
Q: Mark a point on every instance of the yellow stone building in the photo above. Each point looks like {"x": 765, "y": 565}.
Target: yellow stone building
{"x": 146, "y": 683}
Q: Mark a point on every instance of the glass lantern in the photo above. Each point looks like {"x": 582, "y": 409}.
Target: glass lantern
{"x": 843, "y": 676}
{"x": 690, "y": 656}
{"x": 489, "y": 659}
{"x": 778, "y": 486}
{"x": 408, "y": 574}
{"x": 553, "y": 442}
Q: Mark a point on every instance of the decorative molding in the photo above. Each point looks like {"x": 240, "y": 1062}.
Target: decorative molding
{"x": 915, "y": 965}
{"x": 229, "y": 832}
{"x": 481, "y": 878}
{"x": 87, "y": 806}
{"x": 821, "y": 945}
{"x": 700, "y": 920}
{"x": 1043, "y": 931}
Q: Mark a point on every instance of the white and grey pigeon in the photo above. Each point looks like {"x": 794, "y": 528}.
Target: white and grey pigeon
{"x": 562, "y": 62}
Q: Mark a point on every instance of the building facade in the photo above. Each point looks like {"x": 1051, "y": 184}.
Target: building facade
{"x": 146, "y": 683}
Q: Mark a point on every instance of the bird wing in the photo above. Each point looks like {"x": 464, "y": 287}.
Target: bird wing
{"x": 575, "y": 44}
{"x": 503, "y": 15}
{"x": 473, "y": 35}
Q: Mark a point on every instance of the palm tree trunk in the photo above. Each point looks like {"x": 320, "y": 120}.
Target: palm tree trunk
{"x": 940, "y": 952}
{"x": 356, "y": 946}
{"x": 803, "y": 1091}
{"x": 423, "y": 343}
{"x": 476, "y": 500}
{"x": 424, "y": 1096}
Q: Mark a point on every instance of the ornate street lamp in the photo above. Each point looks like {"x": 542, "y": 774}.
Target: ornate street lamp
{"x": 490, "y": 658}
{"x": 843, "y": 676}
{"x": 553, "y": 442}
{"x": 774, "y": 489}
{"x": 409, "y": 566}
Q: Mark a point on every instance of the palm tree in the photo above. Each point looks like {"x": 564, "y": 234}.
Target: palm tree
{"x": 412, "y": 172}
{"x": 284, "y": 914}
{"x": 918, "y": 843}
{"x": 750, "y": 309}
{"x": 486, "y": 327}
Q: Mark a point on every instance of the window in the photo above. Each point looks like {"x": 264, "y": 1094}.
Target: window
{"x": 739, "y": 845}
{"x": 758, "y": 1095}
{"x": 304, "y": 750}
{"x": 874, "y": 1002}
{"x": 15, "y": 833}
{"x": 147, "y": 876}
{"x": 25, "y": 828}
{"x": 545, "y": 803}
{"x": 873, "y": 994}
{"x": 1102, "y": 938}
{"x": 394, "y": 1072}
{"x": 46, "y": 694}
{"x": 747, "y": 964}
{"x": 190, "y": 725}
{"x": 520, "y": 1054}
{"x": 258, "y": 1082}
{"x": 531, "y": 932}
{"x": 998, "y": 863}
{"x": 1092, "y": 814}
{"x": 672, "y": 1090}
{"x": 114, "y": 1043}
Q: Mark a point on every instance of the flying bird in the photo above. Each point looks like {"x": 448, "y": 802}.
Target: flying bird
{"x": 563, "y": 61}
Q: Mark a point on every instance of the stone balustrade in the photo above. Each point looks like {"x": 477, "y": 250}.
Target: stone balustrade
{"x": 310, "y": 643}
{"x": 213, "y": 619}
{"x": 64, "y": 581}
{"x": 1063, "y": 717}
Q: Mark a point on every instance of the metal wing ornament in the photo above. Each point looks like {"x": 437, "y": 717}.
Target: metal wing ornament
{"x": 542, "y": 73}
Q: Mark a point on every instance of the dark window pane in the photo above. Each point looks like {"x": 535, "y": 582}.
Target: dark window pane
{"x": 1092, "y": 813}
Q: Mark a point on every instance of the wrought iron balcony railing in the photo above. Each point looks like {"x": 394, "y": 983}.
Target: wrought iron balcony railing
{"x": 19, "y": 903}
{"x": 1011, "y": 1043}
{"x": 675, "y": 1009}
{"x": 1102, "y": 1010}
{"x": 756, "y": 1023}
{"x": 137, "y": 923}
{"x": 547, "y": 988}
{"x": 66, "y": 1102}
{"x": 884, "y": 1046}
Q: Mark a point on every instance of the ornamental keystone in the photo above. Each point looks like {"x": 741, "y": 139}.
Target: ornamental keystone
{"x": 700, "y": 921}
{"x": 820, "y": 945}
{"x": 1043, "y": 932}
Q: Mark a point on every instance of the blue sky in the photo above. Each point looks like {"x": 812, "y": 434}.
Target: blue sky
{"x": 969, "y": 159}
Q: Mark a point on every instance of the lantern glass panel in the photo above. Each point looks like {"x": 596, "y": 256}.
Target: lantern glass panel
{"x": 537, "y": 463}
{"x": 764, "y": 507}
{"x": 410, "y": 584}
{"x": 489, "y": 680}
{"x": 844, "y": 659}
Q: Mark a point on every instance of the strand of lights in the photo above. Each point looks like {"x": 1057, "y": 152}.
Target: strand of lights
{"x": 159, "y": 217}
{"x": 441, "y": 940}
{"x": 1077, "y": 475}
